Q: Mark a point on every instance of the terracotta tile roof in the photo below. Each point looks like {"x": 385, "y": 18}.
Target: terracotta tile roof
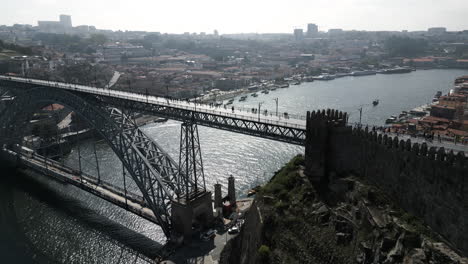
{"x": 53, "y": 107}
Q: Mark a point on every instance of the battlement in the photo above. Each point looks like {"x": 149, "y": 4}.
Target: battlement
{"x": 417, "y": 149}
{"x": 330, "y": 116}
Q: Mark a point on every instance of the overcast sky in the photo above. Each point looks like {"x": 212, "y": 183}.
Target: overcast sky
{"x": 235, "y": 16}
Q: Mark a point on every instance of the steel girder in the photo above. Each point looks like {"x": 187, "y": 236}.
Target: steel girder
{"x": 153, "y": 171}
{"x": 278, "y": 132}
{"x": 260, "y": 129}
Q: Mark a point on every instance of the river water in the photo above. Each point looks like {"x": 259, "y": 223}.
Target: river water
{"x": 48, "y": 221}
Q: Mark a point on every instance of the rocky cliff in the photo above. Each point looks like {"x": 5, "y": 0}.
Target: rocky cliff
{"x": 351, "y": 222}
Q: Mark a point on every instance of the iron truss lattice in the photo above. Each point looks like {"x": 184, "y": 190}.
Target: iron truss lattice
{"x": 153, "y": 171}
{"x": 133, "y": 102}
{"x": 293, "y": 135}
{"x": 190, "y": 161}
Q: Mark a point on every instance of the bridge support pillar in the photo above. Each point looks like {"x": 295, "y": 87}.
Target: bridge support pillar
{"x": 192, "y": 176}
{"x": 194, "y": 207}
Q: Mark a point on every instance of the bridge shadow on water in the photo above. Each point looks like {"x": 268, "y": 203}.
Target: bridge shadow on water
{"x": 78, "y": 210}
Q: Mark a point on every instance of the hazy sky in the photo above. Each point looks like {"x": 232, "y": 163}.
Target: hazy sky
{"x": 177, "y": 16}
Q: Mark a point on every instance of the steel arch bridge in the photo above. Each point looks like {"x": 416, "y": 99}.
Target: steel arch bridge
{"x": 159, "y": 178}
{"x": 154, "y": 172}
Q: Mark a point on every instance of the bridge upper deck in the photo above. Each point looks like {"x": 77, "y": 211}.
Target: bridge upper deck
{"x": 289, "y": 122}
{"x": 269, "y": 126}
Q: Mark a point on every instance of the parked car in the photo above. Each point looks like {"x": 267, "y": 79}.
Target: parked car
{"x": 233, "y": 230}
{"x": 208, "y": 235}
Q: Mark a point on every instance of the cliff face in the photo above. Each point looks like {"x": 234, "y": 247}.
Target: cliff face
{"x": 352, "y": 222}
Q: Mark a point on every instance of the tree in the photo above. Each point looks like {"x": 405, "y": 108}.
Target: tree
{"x": 98, "y": 39}
{"x": 405, "y": 46}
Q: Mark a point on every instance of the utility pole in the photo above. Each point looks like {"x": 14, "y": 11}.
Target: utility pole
{"x": 276, "y": 100}
{"x": 259, "y": 105}
{"x": 360, "y": 116}
{"x": 147, "y": 94}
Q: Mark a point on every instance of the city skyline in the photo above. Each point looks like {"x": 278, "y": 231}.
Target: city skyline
{"x": 244, "y": 16}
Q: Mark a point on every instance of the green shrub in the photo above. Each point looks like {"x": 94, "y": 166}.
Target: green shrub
{"x": 264, "y": 253}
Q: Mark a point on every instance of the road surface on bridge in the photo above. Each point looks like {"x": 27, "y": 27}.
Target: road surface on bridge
{"x": 132, "y": 202}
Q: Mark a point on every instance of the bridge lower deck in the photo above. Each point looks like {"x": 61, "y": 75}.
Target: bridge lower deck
{"x": 127, "y": 200}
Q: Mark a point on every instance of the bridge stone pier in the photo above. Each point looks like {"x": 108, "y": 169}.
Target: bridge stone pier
{"x": 196, "y": 211}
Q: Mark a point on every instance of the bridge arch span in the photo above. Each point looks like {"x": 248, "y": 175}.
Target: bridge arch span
{"x": 153, "y": 171}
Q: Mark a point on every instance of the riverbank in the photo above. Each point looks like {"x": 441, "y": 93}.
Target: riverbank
{"x": 217, "y": 96}
{"x": 351, "y": 223}
{"x": 443, "y": 120}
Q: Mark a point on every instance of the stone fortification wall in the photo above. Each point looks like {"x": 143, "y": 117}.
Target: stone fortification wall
{"x": 427, "y": 182}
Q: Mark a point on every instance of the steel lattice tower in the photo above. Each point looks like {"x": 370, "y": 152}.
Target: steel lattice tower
{"x": 192, "y": 177}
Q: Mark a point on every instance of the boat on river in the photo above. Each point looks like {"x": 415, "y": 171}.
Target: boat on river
{"x": 375, "y": 102}
{"x": 324, "y": 77}
{"x": 397, "y": 70}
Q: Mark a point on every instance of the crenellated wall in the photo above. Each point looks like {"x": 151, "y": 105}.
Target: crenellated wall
{"x": 427, "y": 182}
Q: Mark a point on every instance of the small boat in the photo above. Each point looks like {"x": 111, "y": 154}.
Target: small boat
{"x": 243, "y": 98}
{"x": 390, "y": 120}
{"x": 286, "y": 85}
{"x": 254, "y": 94}
{"x": 253, "y": 191}
{"x": 375, "y": 102}
{"x": 296, "y": 83}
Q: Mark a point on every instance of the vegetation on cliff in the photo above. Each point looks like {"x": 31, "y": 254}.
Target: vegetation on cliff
{"x": 351, "y": 223}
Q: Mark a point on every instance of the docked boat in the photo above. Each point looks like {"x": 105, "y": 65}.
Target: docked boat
{"x": 254, "y": 95}
{"x": 375, "y": 102}
{"x": 363, "y": 73}
{"x": 243, "y": 98}
{"x": 391, "y": 120}
{"x": 296, "y": 83}
{"x": 397, "y": 70}
{"x": 325, "y": 77}
{"x": 342, "y": 74}
{"x": 285, "y": 85}
{"x": 253, "y": 87}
